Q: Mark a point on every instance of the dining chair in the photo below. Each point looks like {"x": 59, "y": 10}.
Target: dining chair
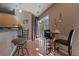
{"x": 48, "y": 38}
{"x": 47, "y": 34}
{"x": 67, "y": 42}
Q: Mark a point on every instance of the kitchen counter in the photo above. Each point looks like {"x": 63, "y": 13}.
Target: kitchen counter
{"x": 5, "y": 29}
{"x": 6, "y": 36}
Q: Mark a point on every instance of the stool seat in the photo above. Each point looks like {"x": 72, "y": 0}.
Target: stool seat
{"x": 20, "y": 43}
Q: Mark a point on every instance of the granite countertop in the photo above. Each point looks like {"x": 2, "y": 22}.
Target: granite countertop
{"x": 5, "y": 29}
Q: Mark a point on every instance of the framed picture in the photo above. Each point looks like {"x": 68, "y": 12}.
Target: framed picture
{"x": 25, "y": 21}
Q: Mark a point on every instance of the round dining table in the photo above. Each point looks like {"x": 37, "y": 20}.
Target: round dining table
{"x": 53, "y": 35}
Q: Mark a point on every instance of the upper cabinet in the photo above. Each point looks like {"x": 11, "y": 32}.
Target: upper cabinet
{"x": 8, "y": 17}
{"x": 8, "y": 20}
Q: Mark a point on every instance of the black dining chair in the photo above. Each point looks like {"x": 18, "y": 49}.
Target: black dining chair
{"x": 48, "y": 38}
{"x": 67, "y": 42}
{"x": 47, "y": 34}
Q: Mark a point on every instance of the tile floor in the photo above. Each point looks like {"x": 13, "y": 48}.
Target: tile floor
{"x": 38, "y": 48}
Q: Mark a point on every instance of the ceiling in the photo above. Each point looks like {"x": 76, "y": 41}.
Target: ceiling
{"x": 35, "y": 8}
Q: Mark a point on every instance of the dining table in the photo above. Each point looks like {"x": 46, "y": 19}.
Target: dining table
{"x": 53, "y": 35}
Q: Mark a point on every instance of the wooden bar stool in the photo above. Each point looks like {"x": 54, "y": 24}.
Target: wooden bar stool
{"x": 20, "y": 44}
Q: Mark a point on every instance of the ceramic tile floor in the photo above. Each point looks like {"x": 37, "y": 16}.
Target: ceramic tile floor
{"x": 38, "y": 48}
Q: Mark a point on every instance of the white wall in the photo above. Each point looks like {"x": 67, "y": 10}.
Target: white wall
{"x": 70, "y": 16}
{"x": 25, "y": 15}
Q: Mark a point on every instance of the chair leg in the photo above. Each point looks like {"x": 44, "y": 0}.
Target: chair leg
{"x": 18, "y": 50}
{"x": 27, "y": 51}
{"x": 69, "y": 51}
{"x": 54, "y": 46}
{"x": 22, "y": 52}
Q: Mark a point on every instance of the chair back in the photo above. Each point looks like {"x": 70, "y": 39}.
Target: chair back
{"x": 25, "y": 34}
{"x": 70, "y": 37}
{"x": 47, "y": 34}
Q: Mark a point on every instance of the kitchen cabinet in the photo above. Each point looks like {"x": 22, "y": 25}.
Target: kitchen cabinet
{"x": 8, "y": 20}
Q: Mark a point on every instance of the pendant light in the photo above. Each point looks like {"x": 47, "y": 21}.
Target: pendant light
{"x": 20, "y": 9}
{"x": 60, "y": 18}
{"x": 55, "y": 23}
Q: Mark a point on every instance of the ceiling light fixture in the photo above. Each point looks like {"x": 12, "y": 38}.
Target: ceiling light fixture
{"x": 55, "y": 24}
{"x": 60, "y": 18}
{"x": 20, "y": 9}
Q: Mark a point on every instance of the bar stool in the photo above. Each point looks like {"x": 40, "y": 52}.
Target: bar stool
{"x": 20, "y": 44}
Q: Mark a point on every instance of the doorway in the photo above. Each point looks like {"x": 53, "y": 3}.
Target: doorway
{"x": 43, "y": 24}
